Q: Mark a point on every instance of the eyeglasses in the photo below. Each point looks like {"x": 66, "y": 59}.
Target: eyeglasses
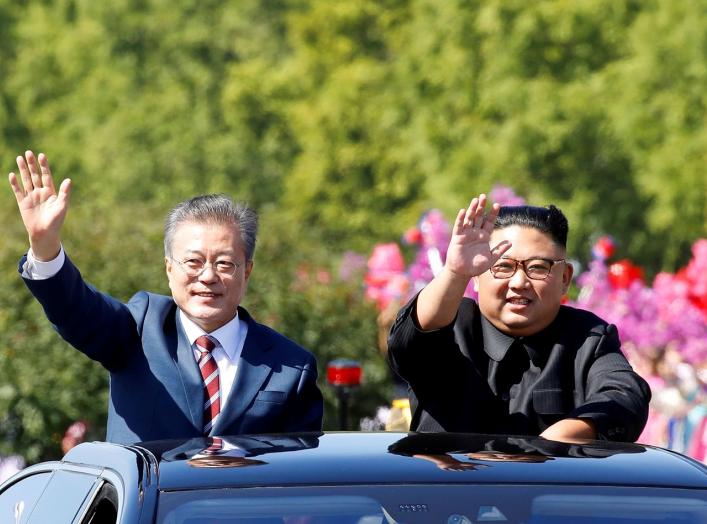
{"x": 193, "y": 267}
{"x": 534, "y": 268}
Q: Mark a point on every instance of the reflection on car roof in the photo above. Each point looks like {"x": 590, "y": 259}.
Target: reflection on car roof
{"x": 389, "y": 458}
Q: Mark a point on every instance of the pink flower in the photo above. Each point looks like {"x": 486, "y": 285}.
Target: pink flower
{"x": 505, "y": 196}
{"x": 386, "y": 280}
{"x": 386, "y": 258}
{"x": 351, "y": 265}
{"x": 435, "y": 230}
{"x": 650, "y": 318}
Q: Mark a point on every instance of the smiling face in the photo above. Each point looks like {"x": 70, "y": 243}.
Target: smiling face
{"x": 519, "y": 306}
{"x": 210, "y": 299}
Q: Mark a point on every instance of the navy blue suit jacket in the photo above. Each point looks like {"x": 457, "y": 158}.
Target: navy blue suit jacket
{"x": 156, "y": 390}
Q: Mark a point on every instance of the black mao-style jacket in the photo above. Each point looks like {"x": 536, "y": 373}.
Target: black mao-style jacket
{"x": 470, "y": 377}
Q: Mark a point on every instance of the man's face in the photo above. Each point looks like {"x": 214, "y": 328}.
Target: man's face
{"x": 210, "y": 299}
{"x": 519, "y": 306}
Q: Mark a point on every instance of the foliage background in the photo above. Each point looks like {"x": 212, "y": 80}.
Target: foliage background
{"x": 340, "y": 121}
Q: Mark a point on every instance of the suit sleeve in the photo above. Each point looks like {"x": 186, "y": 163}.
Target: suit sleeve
{"x": 94, "y": 323}
{"x": 616, "y": 397}
{"x": 307, "y": 411}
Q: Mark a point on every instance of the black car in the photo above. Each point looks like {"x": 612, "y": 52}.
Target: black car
{"x": 360, "y": 478}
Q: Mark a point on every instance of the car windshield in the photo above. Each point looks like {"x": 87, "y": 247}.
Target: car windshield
{"x": 431, "y": 504}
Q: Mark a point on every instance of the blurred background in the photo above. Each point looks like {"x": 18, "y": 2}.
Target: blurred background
{"x": 344, "y": 123}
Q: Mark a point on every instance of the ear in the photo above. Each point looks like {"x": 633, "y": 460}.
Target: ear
{"x": 168, "y": 266}
{"x": 248, "y": 269}
{"x": 567, "y": 277}
{"x": 476, "y": 284}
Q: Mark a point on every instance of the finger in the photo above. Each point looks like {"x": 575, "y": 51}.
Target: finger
{"x": 492, "y": 216}
{"x": 33, "y": 169}
{"x": 459, "y": 222}
{"x": 24, "y": 174}
{"x": 471, "y": 211}
{"x": 479, "y": 215}
{"x": 16, "y": 189}
{"x": 65, "y": 190}
{"x": 500, "y": 249}
{"x": 47, "y": 180}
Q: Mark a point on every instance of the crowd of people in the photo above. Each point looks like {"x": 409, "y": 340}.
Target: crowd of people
{"x": 664, "y": 333}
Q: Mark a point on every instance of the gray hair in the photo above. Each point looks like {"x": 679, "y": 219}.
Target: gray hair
{"x": 213, "y": 209}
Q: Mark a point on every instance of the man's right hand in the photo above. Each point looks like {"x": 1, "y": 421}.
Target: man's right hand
{"x": 42, "y": 209}
{"x": 469, "y": 253}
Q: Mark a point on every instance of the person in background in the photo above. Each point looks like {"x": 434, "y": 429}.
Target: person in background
{"x": 191, "y": 364}
{"x": 518, "y": 362}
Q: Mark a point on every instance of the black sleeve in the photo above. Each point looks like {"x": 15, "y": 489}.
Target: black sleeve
{"x": 616, "y": 397}
{"x": 410, "y": 350}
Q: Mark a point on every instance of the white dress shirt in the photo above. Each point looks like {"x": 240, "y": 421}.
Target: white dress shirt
{"x": 229, "y": 340}
{"x": 34, "y": 269}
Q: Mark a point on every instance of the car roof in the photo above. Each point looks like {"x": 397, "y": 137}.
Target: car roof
{"x": 398, "y": 458}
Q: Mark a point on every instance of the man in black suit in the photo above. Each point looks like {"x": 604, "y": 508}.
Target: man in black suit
{"x": 517, "y": 362}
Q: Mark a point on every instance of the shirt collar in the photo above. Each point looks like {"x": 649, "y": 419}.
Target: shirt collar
{"x": 227, "y": 335}
{"x": 497, "y": 343}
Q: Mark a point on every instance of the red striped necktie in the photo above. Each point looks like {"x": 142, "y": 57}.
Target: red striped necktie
{"x": 209, "y": 372}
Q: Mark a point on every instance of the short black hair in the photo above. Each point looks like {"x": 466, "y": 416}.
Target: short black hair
{"x": 549, "y": 220}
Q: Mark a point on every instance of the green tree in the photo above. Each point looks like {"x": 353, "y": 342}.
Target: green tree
{"x": 341, "y": 121}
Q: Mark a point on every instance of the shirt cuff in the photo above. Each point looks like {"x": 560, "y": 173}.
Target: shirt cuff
{"x": 34, "y": 269}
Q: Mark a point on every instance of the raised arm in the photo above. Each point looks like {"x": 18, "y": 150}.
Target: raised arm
{"x": 469, "y": 254}
{"x": 42, "y": 209}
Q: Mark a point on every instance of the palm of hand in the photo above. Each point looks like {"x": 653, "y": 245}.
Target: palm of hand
{"x": 470, "y": 253}
{"x": 41, "y": 210}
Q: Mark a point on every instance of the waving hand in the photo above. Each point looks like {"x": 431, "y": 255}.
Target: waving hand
{"x": 42, "y": 209}
{"x": 469, "y": 253}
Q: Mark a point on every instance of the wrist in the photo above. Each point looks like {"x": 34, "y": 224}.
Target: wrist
{"x": 457, "y": 275}
{"x": 455, "y": 279}
{"x": 45, "y": 250}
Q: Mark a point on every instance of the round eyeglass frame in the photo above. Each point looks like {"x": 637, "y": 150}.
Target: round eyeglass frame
{"x": 194, "y": 274}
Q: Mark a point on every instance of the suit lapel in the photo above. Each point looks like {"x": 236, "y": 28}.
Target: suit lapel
{"x": 254, "y": 367}
{"x": 191, "y": 377}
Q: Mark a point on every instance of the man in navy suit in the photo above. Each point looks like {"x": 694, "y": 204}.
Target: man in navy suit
{"x": 264, "y": 382}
